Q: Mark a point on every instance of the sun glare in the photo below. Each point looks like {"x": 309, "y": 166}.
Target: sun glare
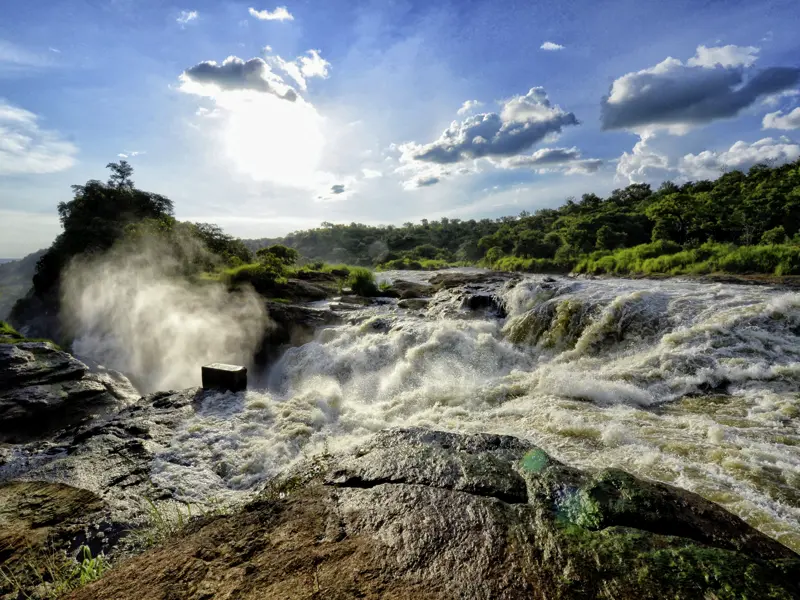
{"x": 271, "y": 139}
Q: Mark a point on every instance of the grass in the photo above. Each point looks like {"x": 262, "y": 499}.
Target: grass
{"x": 422, "y": 264}
{"x": 52, "y": 575}
{"x": 670, "y": 259}
{"x": 362, "y": 282}
{"x": 9, "y": 335}
{"x": 164, "y": 520}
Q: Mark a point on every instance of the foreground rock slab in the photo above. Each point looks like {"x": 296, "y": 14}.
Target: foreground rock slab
{"x": 428, "y": 514}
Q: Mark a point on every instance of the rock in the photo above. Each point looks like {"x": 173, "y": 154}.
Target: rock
{"x": 428, "y": 514}
{"x": 487, "y": 302}
{"x": 39, "y": 518}
{"x": 43, "y": 389}
{"x": 300, "y": 290}
{"x": 293, "y": 325}
{"x": 449, "y": 280}
{"x": 414, "y": 303}
{"x": 36, "y": 363}
{"x": 406, "y": 290}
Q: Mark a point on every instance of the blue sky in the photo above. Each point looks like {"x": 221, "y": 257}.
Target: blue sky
{"x": 355, "y": 111}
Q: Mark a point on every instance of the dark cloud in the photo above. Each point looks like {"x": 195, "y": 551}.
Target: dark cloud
{"x": 677, "y": 94}
{"x": 237, "y": 74}
{"x": 337, "y": 189}
{"x": 426, "y": 181}
{"x": 523, "y": 122}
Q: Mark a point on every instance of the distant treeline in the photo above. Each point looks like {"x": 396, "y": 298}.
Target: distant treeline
{"x": 700, "y": 222}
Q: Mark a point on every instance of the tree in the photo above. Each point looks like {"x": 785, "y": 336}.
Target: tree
{"x": 283, "y": 254}
{"x": 776, "y": 235}
{"x": 609, "y": 238}
{"x": 95, "y": 219}
{"x": 121, "y": 173}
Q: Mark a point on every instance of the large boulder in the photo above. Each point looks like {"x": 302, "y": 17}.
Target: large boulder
{"x": 428, "y": 514}
{"x": 43, "y": 389}
{"x": 291, "y": 325}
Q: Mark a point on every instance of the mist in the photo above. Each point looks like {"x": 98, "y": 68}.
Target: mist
{"x": 133, "y": 309}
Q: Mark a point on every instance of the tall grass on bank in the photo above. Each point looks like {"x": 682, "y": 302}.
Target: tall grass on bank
{"x": 422, "y": 264}
{"x": 670, "y": 259}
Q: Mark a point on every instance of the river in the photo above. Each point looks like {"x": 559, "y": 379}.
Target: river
{"x": 688, "y": 383}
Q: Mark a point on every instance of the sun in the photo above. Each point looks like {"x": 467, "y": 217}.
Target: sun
{"x": 272, "y": 139}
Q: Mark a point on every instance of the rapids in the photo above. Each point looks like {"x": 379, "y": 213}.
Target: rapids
{"x": 689, "y": 383}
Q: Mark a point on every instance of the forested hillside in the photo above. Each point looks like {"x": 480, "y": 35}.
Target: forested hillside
{"x": 739, "y": 222}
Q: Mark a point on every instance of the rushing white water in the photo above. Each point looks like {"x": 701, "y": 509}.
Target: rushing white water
{"x": 688, "y": 383}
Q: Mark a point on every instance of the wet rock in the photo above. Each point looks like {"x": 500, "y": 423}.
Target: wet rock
{"x": 300, "y": 290}
{"x": 414, "y": 303}
{"x": 292, "y": 325}
{"x": 487, "y": 302}
{"x": 446, "y": 281}
{"x": 406, "y": 290}
{"x": 428, "y": 514}
{"x": 43, "y": 389}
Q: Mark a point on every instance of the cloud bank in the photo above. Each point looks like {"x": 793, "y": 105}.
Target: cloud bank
{"x": 647, "y": 164}
{"x": 709, "y": 86}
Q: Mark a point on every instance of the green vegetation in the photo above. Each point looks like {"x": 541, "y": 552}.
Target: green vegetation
{"x": 740, "y": 223}
{"x": 9, "y": 335}
{"x": 51, "y": 575}
{"x": 362, "y": 282}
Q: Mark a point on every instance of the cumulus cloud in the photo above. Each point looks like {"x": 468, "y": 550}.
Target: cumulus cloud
{"x": 523, "y": 121}
{"x": 279, "y": 14}
{"x": 648, "y": 164}
{"x": 337, "y": 188}
{"x": 235, "y": 74}
{"x": 187, "y": 16}
{"x": 303, "y": 67}
{"x": 724, "y": 56}
{"x": 468, "y": 107}
{"x": 565, "y": 160}
{"x": 675, "y": 96}
{"x": 130, "y": 154}
{"x": 551, "y": 46}
{"x": 780, "y": 120}
{"x": 371, "y": 173}
{"x": 25, "y": 148}
{"x": 742, "y": 156}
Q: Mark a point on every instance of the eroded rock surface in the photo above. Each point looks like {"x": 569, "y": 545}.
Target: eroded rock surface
{"x": 428, "y": 514}
{"x": 43, "y": 389}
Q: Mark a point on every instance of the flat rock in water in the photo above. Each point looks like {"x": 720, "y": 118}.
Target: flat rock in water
{"x": 428, "y": 514}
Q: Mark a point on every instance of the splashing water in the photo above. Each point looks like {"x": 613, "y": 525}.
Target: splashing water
{"x": 688, "y": 383}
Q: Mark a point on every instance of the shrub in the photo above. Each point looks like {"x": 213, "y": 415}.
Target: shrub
{"x": 280, "y": 253}
{"x": 774, "y": 236}
{"x": 362, "y": 282}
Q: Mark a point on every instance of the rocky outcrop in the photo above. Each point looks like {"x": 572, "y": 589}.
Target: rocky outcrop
{"x": 292, "y": 325}
{"x": 43, "y": 389}
{"x": 406, "y": 290}
{"x": 428, "y": 514}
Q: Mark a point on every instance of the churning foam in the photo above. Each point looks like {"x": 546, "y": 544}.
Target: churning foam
{"x": 687, "y": 383}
